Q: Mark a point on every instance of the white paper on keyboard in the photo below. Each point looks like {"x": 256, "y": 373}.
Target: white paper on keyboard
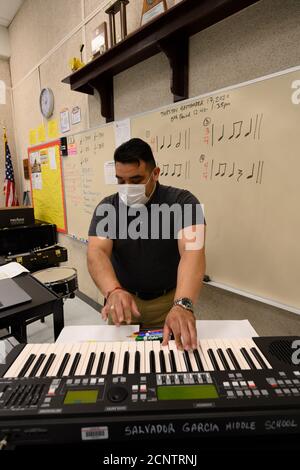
{"x": 81, "y": 333}
{"x": 205, "y": 329}
{"x": 225, "y": 329}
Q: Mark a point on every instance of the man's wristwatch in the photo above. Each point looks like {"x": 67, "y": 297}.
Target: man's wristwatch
{"x": 185, "y": 303}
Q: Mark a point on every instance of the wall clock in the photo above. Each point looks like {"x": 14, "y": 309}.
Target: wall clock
{"x": 47, "y": 102}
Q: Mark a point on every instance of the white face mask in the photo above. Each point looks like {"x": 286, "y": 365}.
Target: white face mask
{"x": 134, "y": 194}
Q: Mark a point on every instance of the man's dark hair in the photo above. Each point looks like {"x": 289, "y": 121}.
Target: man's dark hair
{"x": 134, "y": 151}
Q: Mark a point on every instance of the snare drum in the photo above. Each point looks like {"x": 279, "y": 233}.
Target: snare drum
{"x": 62, "y": 281}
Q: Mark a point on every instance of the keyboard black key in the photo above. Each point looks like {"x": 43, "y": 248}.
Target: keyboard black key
{"x": 187, "y": 361}
{"x": 152, "y": 362}
{"x": 248, "y": 358}
{"x": 126, "y": 363}
{"x": 198, "y": 360}
{"x": 100, "y": 363}
{"x": 258, "y": 357}
{"x": 63, "y": 365}
{"x": 162, "y": 362}
{"x": 74, "y": 364}
{"x": 111, "y": 362}
{"x": 27, "y": 364}
{"x": 37, "y": 365}
{"x": 48, "y": 364}
{"x": 233, "y": 359}
{"x": 89, "y": 367}
{"x": 213, "y": 359}
{"x": 172, "y": 361}
{"x": 137, "y": 362}
{"x": 223, "y": 359}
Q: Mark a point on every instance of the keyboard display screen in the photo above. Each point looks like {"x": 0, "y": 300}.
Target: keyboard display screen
{"x": 187, "y": 392}
{"x": 74, "y": 397}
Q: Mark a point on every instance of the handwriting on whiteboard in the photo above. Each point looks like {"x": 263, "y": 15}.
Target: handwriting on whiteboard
{"x": 210, "y": 169}
{"x": 196, "y": 108}
{"x": 237, "y": 130}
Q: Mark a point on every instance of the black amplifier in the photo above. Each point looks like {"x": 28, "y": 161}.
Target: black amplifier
{"x": 16, "y": 216}
{"x": 27, "y": 238}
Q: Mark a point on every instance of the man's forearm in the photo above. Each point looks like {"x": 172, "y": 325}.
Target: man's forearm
{"x": 191, "y": 270}
{"x": 102, "y": 271}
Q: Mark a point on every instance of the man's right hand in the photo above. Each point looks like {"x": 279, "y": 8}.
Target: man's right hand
{"x": 121, "y": 306}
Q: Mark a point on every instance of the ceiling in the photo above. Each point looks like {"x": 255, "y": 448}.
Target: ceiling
{"x": 8, "y": 9}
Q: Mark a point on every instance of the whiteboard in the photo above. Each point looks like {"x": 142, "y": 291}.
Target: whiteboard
{"x": 237, "y": 150}
{"x": 84, "y": 179}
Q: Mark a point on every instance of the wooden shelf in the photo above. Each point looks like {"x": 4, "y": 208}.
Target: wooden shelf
{"x": 169, "y": 33}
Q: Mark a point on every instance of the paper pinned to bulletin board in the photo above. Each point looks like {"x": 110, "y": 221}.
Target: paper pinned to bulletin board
{"x": 46, "y": 184}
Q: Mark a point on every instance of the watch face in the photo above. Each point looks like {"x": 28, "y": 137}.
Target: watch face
{"x": 47, "y": 102}
{"x": 187, "y": 302}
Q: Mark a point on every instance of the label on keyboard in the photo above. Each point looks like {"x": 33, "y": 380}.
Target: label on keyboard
{"x": 94, "y": 433}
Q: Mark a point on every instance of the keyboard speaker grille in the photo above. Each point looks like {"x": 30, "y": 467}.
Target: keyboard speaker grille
{"x": 282, "y": 350}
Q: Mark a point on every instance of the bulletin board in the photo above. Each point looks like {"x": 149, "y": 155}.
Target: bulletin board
{"x": 47, "y": 187}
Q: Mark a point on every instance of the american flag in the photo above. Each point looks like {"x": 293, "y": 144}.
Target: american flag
{"x": 9, "y": 182}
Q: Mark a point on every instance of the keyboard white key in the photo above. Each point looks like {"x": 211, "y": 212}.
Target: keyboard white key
{"x": 148, "y": 348}
{"x": 141, "y": 349}
{"x": 19, "y": 362}
{"x": 37, "y": 350}
{"x": 116, "y": 350}
{"x": 123, "y": 349}
{"x": 235, "y": 347}
{"x": 156, "y": 349}
{"x": 224, "y": 345}
{"x": 84, "y": 351}
{"x": 99, "y": 350}
{"x": 193, "y": 361}
{"x": 212, "y": 345}
{"x": 203, "y": 360}
{"x": 165, "y": 350}
{"x": 73, "y": 350}
{"x": 243, "y": 344}
{"x": 183, "y": 367}
{"x": 204, "y": 347}
{"x": 107, "y": 350}
{"x": 172, "y": 347}
{"x": 59, "y": 352}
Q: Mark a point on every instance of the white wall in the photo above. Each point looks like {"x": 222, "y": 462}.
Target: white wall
{"x": 4, "y": 43}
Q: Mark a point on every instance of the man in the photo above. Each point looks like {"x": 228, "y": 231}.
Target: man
{"x": 146, "y": 249}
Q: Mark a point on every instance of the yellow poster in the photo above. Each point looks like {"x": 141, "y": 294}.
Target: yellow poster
{"x": 46, "y": 184}
{"x": 53, "y": 129}
{"x": 41, "y": 133}
{"x": 32, "y": 137}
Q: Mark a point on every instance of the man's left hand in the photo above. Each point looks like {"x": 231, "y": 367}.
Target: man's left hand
{"x": 182, "y": 324}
